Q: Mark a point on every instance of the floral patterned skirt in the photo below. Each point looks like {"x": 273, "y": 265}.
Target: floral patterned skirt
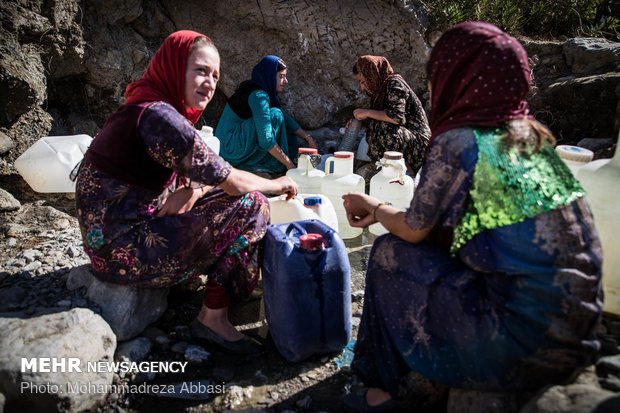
{"x": 127, "y": 244}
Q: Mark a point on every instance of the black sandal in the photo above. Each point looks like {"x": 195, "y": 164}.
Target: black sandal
{"x": 244, "y": 346}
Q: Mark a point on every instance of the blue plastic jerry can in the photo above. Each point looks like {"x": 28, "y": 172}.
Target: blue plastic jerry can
{"x": 306, "y": 289}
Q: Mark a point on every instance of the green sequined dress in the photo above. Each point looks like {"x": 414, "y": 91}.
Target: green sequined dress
{"x": 513, "y": 300}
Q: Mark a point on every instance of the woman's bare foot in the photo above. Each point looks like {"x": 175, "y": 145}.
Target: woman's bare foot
{"x": 376, "y": 396}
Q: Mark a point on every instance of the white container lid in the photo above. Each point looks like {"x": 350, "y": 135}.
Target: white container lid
{"x": 574, "y": 153}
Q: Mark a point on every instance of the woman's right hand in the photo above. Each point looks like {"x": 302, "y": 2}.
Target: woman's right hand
{"x": 358, "y": 207}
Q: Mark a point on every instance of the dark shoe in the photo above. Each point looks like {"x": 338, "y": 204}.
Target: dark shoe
{"x": 244, "y": 346}
{"x": 355, "y": 402}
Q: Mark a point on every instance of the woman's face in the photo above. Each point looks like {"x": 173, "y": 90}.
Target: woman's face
{"x": 362, "y": 81}
{"x": 281, "y": 80}
{"x": 201, "y": 76}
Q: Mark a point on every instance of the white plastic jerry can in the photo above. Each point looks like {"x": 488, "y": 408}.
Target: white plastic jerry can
{"x": 392, "y": 185}
{"x": 338, "y": 183}
{"x": 306, "y": 176}
{"x": 601, "y": 181}
{"x": 47, "y": 164}
{"x": 212, "y": 141}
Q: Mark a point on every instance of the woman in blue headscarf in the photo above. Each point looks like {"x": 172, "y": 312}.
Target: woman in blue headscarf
{"x": 255, "y": 133}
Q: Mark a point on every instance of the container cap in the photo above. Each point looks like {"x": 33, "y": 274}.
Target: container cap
{"x": 310, "y": 151}
{"x": 313, "y": 201}
{"x": 311, "y": 241}
{"x": 392, "y": 155}
{"x": 574, "y": 153}
{"x": 343, "y": 154}
{"x": 207, "y": 129}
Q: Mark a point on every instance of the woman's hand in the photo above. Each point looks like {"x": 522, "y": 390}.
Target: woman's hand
{"x": 179, "y": 202}
{"x": 359, "y": 208}
{"x": 360, "y": 114}
{"x": 311, "y": 142}
{"x": 287, "y": 186}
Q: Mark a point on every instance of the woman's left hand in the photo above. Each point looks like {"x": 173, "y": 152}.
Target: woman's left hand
{"x": 179, "y": 202}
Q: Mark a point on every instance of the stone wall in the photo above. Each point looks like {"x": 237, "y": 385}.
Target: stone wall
{"x": 64, "y": 64}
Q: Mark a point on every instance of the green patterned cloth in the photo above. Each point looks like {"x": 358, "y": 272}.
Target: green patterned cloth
{"x": 509, "y": 187}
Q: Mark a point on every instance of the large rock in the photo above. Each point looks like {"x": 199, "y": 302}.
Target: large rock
{"x": 574, "y": 398}
{"x": 128, "y": 310}
{"x": 591, "y": 55}
{"x": 319, "y": 42}
{"x": 78, "y": 334}
{"x": 576, "y": 108}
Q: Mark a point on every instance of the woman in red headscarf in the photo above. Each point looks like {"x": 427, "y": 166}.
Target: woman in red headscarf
{"x": 157, "y": 206}
{"x": 491, "y": 279}
{"x": 395, "y": 120}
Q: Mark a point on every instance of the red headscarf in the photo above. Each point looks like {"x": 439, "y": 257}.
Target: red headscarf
{"x": 376, "y": 70}
{"x": 164, "y": 79}
{"x": 479, "y": 77}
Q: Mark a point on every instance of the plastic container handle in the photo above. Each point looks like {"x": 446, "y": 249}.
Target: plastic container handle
{"x": 294, "y": 225}
{"x": 330, "y": 159}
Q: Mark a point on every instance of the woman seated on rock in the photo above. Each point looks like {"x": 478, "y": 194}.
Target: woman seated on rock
{"x": 491, "y": 279}
{"x": 396, "y": 120}
{"x": 157, "y": 207}
{"x": 256, "y": 134}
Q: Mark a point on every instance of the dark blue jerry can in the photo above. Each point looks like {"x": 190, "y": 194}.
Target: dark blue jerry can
{"x": 306, "y": 289}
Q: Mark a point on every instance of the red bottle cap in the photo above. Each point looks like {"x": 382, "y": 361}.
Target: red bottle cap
{"x": 343, "y": 154}
{"x": 311, "y": 241}
{"x": 309, "y": 151}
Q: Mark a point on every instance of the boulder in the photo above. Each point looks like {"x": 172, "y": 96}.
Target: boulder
{"x": 592, "y": 55}
{"x": 128, "y": 310}
{"x": 8, "y": 201}
{"x": 76, "y": 334}
{"x": 574, "y": 398}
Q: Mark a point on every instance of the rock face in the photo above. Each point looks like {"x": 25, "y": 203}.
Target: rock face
{"x": 79, "y": 334}
{"x": 128, "y": 310}
{"x": 64, "y": 65}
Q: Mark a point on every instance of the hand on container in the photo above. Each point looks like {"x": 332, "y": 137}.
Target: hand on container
{"x": 287, "y": 186}
{"x": 360, "y": 114}
{"x": 358, "y": 207}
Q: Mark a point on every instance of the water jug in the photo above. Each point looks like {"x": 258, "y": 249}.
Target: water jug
{"x": 601, "y": 181}
{"x": 574, "y": 157}
{"x": 306, "y": 176}
{"x": 303, "y": 207}
{"x": 47, "y": 164}
{"x": 306, "y": 289}
{"x": 391, "y": 184}
{"x": 362, "y": 150}
{"x": 349, "y": 141}
{"x": 212, "y": 141}
{"x": 338, "y": 183}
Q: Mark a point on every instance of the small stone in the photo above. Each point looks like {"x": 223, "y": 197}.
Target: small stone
{"x": 196, "y": 354}
{"x": 304, "y": 403}
{"x": 610, "y": 362}
{"x": 179, "y": 347}
{"x": 63, "y": 303}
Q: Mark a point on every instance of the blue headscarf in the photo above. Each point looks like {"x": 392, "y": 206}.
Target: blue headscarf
{"x": 264, "y": 75}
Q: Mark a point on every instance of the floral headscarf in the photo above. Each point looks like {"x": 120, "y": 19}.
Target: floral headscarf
{"x": 479, "y": 76}
{"x": 376, "y": 70}
{"x": 164, "y": 79}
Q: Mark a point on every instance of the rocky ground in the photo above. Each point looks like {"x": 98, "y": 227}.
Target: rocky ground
{"x": 40, "y": 245}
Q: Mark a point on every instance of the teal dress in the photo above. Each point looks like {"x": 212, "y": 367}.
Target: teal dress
{"x": 245, "y": 142}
